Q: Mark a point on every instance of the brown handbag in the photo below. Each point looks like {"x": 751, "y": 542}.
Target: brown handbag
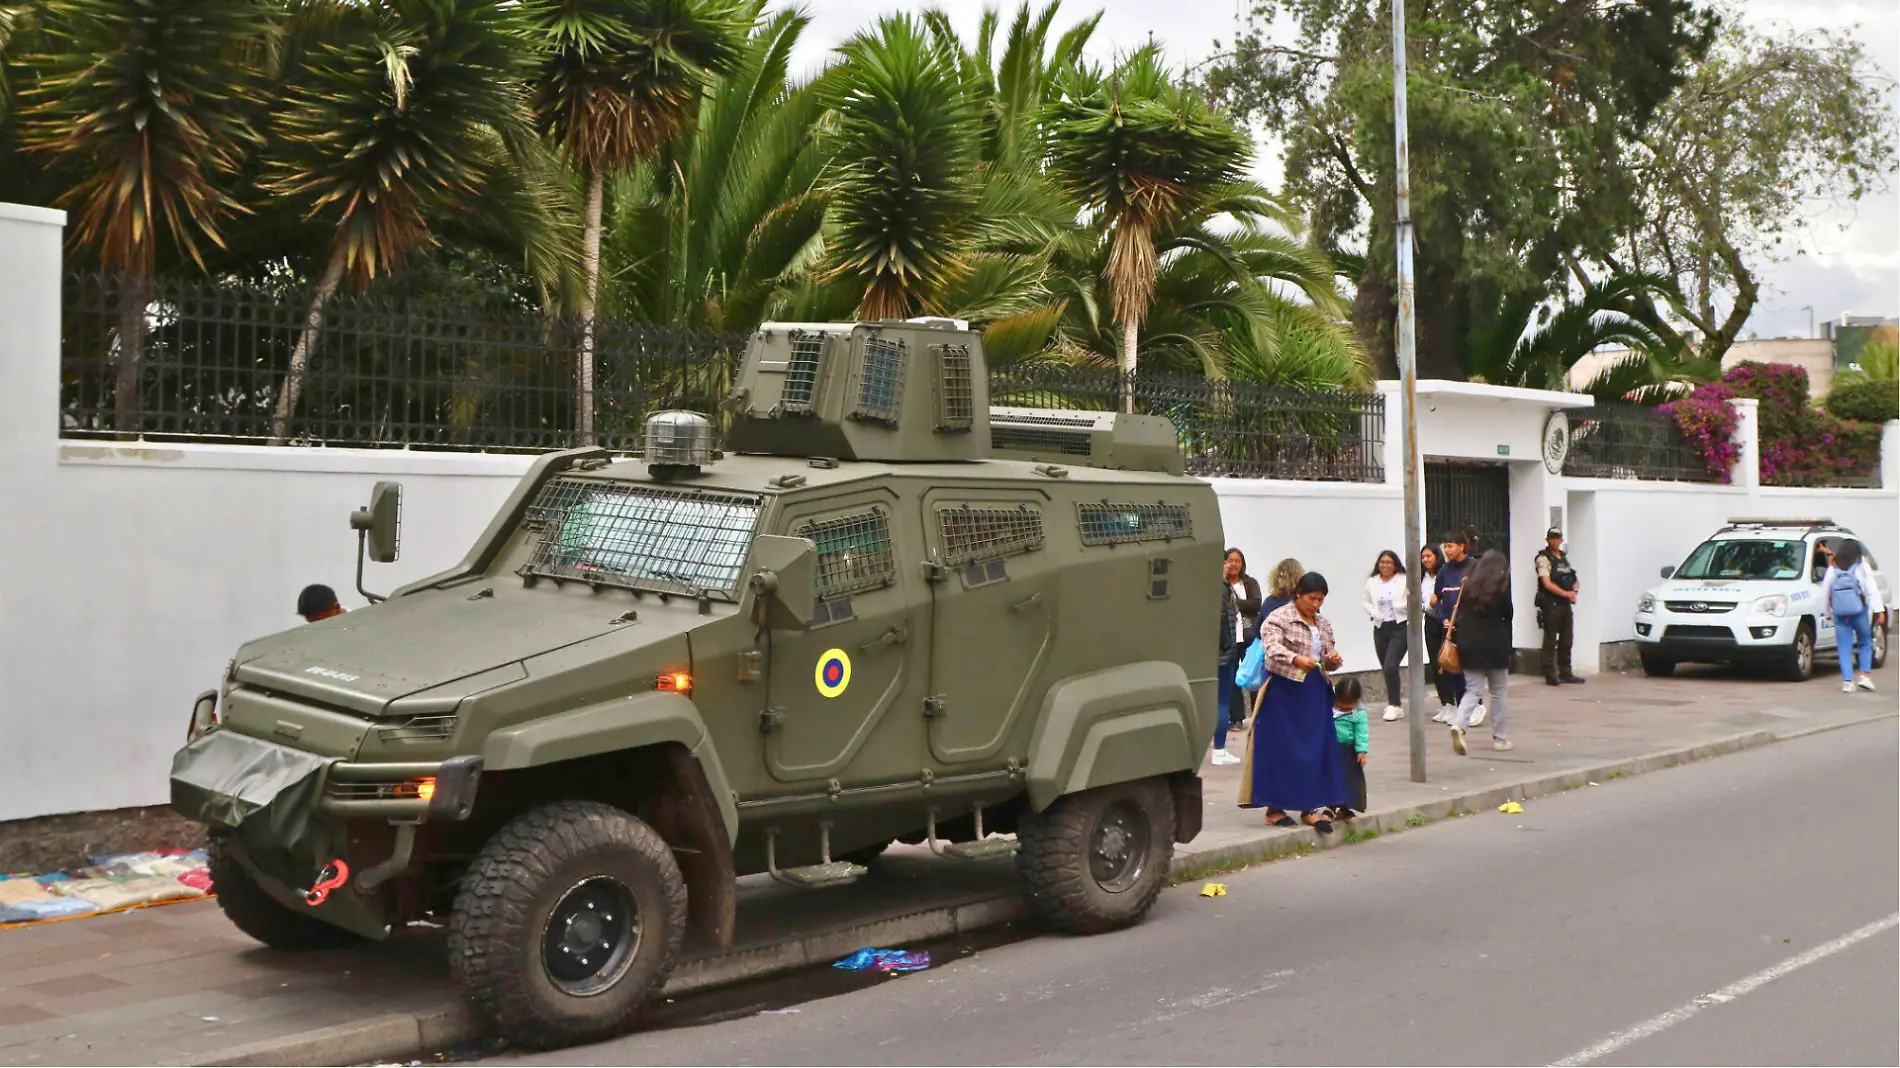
{"x": 1448, "y": 653}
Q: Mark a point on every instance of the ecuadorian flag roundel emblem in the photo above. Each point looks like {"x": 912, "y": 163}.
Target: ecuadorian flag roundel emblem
{"x": 834, "y": 672}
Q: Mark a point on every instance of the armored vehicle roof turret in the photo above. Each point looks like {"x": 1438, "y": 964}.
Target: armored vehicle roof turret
{"x": 912, "y": 390}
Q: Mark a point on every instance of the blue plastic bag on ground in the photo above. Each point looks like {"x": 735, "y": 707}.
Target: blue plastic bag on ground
{"x": 884, "y": 960}
{"x": 1252, "y": 672}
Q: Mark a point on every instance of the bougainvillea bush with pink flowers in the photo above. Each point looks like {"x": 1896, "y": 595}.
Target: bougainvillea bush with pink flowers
{"x": 1801, "y": 445}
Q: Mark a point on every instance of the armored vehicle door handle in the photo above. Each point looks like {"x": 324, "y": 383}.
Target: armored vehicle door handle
{"x": 892, "y": 636}
{"x": 1027, "y": 603}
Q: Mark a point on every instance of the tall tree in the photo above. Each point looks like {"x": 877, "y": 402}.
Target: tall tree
{"x": 403, "y": 116}
{"x": 903, "y": 202}
{"x": 1142, "y": 150}
{"x": 1521, "y": 117}
{"x": 1767, "y": 125}
{"x": 143, "y": 102}
{"x": 618, "y": 79}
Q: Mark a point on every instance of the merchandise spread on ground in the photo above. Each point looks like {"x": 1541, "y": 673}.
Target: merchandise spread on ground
{"x": 108, "y": 883}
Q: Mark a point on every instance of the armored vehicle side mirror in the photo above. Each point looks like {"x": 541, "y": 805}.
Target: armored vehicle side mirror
{"x": 204, "y": 716}
{"x": 378, "y": 530}
{"x": 784, "y": 580}
{"x": 1668, "y": 570}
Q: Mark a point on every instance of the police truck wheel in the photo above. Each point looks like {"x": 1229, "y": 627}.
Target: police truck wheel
{"x": 1797, "y": 663}
{"x": 1880, "y": 645}
{"x": 262, "y": 916}
{"x": 1658, "y": 666}
{"x": 567, "y": 924}
{"x": 1095, "y": 861}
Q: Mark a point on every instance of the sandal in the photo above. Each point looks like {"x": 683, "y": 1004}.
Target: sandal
{"x": 1281, "y": 820}
{"x": 1319, "y": 822}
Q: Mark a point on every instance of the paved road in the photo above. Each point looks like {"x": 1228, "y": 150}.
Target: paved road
{"x": 1738, "y": 911}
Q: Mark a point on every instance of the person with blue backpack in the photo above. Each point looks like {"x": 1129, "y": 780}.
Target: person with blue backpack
{"x": 1853, "y": 600}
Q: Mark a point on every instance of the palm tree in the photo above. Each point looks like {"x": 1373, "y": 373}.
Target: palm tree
{"x": 1530, "y": 343}
{"x": 711, "y": 233}
{"x": 1142, "y": 151}
{"x": 144, "y": 102}
{"x": 903, "y": 202}
{"x": 618, "y": 79}
{"x": 406, "y": 118}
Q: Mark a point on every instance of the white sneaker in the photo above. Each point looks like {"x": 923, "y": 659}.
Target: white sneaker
{"x": 1394, "y": 712}
{"x": 1865, "y": 682}
{"x": 1443, "y": 715}
{"x": 1848, "y": 687}
{"x": 1222, "y": 757}
{"x": 1477, "y": 717}
{"x": 1458, "y": 740}
{"x": 1502, "y": 746}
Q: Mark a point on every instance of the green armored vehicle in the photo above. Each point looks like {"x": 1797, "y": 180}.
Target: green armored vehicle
{"x": 882, "y": 613}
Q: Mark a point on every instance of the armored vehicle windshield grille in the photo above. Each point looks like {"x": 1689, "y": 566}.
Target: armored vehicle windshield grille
{"x": 1118, "y": 524}
{"x": 801, "y": 375}
{"x": 881, "y": 380}
{"x": 972, "y": 534}
{"x": 1040, "y": 439}
{"x": 642, "y": 537}
{"x": 854, "y": 552}
{"x": 956, "y": 399}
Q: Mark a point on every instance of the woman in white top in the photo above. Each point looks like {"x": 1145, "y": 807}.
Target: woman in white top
{"x": 1850, "y": 581}
{"x": 1387, "y": 602}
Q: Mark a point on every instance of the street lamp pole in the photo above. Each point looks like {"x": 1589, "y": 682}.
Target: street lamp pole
{"x": 1408, "y": 414}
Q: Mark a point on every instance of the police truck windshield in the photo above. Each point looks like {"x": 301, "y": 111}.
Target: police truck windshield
{"x": 1737, "y": 560}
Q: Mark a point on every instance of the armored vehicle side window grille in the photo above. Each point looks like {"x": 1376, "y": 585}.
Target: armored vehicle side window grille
{"x": 975, "y": 534}
{"x": 642, "y": 537}
{"x": 1040, "y": 439}
{"x": 1120, "y": 524}
{"x": 802, "y": 373}
{"x": 854, "y": 552}
{"x": 881, "y": 380}
{"x": 956, "y": 398}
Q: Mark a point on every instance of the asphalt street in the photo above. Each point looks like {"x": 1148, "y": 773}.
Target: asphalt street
{"x": 1737, "y": 911}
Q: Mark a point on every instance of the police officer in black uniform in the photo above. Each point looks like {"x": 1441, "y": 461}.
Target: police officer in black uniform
{"x": 1556, "y": 600}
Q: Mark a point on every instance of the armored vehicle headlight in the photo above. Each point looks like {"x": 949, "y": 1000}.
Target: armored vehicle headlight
{"x": 425, "y": 788}
{"x": 674, "y": 682}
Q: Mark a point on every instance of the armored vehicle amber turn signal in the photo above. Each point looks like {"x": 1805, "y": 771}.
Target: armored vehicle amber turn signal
{"x": 674, "y": 682}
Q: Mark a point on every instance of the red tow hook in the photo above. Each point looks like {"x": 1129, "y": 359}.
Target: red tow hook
{"x": 332, "y": 877}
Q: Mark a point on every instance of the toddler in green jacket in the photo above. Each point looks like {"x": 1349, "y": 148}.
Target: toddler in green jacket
{"x": 1352, "y": 731}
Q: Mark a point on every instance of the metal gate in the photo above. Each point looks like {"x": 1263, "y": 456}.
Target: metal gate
{"x": 1469, "y": 496}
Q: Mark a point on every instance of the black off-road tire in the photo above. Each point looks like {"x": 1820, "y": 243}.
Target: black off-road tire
{"x": 253, "y": 911}
{"x": 1657, "y": 666}
{"x": 1796, "y": 664}
{"x": 1881, "y": 637}
{"x": 503, "y": 912}
{"x": 1054, "y": 849}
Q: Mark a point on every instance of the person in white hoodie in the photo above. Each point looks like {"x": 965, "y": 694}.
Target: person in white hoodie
{"x": 1387, "y": 601}
{"x": 1852, "y": 600}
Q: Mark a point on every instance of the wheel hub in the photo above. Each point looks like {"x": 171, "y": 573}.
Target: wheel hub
{"x": 1118, "y": 850}
{"x": 591, "y": 936}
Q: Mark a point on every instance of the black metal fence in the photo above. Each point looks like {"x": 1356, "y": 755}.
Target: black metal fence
{"x": 1632, "y": 441}
{"x": 1226, "y": 427}
{"x": 211, "y": 360}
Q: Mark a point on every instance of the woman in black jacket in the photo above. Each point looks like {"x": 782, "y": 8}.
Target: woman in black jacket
{"x": 1246, "y": 594}
{"x": 1481, "y": 629}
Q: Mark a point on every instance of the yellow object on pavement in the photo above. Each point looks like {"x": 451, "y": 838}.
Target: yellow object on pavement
{"x": 1510, "y": 808}
{"x": 1213, "y": 889}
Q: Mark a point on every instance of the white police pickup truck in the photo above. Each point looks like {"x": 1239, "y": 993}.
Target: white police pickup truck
{"x": 1751, "y": 594}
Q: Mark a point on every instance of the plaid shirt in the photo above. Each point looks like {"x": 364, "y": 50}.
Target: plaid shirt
{"x": 1286, "y": 635}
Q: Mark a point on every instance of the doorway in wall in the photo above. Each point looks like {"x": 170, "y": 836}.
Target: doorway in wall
{"x": 1469, "y": 496}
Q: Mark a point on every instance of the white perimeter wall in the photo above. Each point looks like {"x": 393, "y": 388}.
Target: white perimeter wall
{"x": 134, "y": 571}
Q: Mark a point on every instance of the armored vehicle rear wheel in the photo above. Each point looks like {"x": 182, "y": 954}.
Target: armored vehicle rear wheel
{"x": 262, "y": 916}
{"x": 1095, "y": 861}
{"x": 567, "y": 924}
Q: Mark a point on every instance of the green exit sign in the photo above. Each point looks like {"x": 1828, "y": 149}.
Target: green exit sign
{"x": 1504, "y": 450}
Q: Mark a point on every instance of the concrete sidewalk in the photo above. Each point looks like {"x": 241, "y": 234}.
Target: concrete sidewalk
{"x": 177, "y": 984}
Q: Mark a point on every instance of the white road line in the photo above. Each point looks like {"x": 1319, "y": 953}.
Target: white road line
{"x": 1656, "y": 1024}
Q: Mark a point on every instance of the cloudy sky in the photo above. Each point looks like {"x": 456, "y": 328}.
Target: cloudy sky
{"x": 1848, "y": 259}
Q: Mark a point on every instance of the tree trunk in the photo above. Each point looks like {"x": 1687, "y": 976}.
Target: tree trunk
{"x": 134, "y": 294}
{"x": 1129, "y": 329}
{"x": 584, "y": 360}
{"x": 292, "y": 390}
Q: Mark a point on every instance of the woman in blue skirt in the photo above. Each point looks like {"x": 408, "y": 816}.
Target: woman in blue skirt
{"x": 1292, "y": 753}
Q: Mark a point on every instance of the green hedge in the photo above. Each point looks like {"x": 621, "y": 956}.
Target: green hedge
{"x": 1870, "y": 401}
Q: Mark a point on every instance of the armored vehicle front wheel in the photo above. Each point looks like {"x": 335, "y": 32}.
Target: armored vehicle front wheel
{"x": 567, "y": 924}
{"x": 262, "y": 916}
{"x": 1095, "y": 861}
